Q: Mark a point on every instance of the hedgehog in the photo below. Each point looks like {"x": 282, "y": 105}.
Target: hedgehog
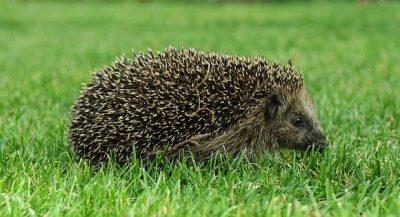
{"x": 189, "y": 102}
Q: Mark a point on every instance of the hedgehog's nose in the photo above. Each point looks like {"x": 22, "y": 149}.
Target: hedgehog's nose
{"x": 321, "y": 143}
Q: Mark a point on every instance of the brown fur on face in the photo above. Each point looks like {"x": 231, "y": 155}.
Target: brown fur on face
{"x": 296, "y": 125}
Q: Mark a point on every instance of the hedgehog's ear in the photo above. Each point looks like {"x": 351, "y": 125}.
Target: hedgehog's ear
{"x": 274, "y": 102}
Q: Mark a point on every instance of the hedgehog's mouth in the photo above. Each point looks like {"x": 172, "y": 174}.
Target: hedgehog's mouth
{"x": 311, "y": 146}
{"x": 315, "y": 147}
{"x": 318, "y": 146}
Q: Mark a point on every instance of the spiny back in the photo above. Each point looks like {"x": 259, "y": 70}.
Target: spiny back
{"x": 154, "y": 101}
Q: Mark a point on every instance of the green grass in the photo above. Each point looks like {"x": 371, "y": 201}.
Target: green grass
{"x": 349, "y": 55}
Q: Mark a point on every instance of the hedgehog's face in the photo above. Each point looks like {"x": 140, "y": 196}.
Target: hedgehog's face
{"x": 293, "y": 122}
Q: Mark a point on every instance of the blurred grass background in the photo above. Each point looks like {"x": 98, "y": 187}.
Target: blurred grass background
{"x": 347, "y": 51}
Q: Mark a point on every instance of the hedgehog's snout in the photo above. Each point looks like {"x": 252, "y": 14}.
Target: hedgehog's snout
{"x": 318, "y": 142}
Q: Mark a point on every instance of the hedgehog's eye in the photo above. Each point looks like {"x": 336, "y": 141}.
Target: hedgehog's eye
{"x": 297, "y": 121}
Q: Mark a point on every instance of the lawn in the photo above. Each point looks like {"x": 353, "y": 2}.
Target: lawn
{"x": 347, "y": 52}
